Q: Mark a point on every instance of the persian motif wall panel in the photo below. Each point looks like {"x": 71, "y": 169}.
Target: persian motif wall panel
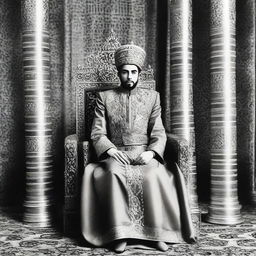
{"x": 11, "y": 104}
{"x": 56, "y": 30}
{"x": 245, "y": 78}
{"x": 88, "y": 24}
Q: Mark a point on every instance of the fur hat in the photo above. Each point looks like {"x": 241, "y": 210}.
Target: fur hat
{"x": 130, "y": 54}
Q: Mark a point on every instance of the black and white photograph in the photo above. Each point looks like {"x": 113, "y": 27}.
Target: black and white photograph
{"x": 127, "y": 127}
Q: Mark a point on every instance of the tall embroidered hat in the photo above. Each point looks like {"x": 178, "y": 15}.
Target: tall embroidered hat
{"x": 130, "y": 54}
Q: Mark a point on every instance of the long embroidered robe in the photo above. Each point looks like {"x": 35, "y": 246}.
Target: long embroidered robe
{"x": 120, "y": 201}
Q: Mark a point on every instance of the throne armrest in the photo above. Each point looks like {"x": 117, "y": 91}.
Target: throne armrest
{"x": 86, "y": 152}
{"x": 177, "y": 149}
{"x": 71, "y": 171}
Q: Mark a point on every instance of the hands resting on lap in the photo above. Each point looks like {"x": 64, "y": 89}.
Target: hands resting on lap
{"x": 118, "y": 155}
{"x": 122, "y": 158}
{"x": 145, "y": 157}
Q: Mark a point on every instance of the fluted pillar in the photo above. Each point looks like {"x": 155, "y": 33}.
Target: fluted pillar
{"x": 182, "y": 115}
{"x": 224, "y": 207}
{"x": 38, "y": 131}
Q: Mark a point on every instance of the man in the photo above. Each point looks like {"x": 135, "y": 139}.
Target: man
{"x": 129, "y": 193}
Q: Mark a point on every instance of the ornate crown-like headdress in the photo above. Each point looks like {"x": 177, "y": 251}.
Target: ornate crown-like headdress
{"x": 130, "y": 54}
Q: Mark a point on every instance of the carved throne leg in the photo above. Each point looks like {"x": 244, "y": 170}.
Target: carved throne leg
{"x": 71, "y": 203}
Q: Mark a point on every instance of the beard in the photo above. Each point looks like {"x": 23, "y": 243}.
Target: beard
{"x": 127, "y": 86}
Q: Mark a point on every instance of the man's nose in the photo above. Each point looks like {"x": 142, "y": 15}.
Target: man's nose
{"x": 129, "y": 74}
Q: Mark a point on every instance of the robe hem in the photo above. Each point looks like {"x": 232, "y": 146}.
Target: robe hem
{"x": 136, "y": 232}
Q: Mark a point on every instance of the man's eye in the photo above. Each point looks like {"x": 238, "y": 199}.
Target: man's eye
{"x": 134, "y": 72}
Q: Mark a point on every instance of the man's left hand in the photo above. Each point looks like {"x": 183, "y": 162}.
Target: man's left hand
{"x": 145, "y": 157}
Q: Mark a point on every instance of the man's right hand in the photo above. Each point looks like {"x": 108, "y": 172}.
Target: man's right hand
{"x": 118, "y": 155}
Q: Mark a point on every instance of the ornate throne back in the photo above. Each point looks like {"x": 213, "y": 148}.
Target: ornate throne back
{"x": 97, "y": 74}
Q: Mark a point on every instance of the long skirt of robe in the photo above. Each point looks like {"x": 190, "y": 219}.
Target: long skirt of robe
{"x": 147, "y": 202}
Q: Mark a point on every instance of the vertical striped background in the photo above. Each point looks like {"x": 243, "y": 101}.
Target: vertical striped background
{"x": 224, "y": 207}
{"x": 182, "y": 115}
{"x": 38, "y": 126}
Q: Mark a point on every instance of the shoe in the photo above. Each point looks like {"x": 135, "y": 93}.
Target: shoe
{"x": 120, "y": 246}
{"x": 162, "y": 246}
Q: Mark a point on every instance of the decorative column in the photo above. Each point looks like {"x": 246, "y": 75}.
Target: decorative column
{"x": 182, "y": 114}
{"x": 224, "y": 207}
{"x": 38, "y": 132}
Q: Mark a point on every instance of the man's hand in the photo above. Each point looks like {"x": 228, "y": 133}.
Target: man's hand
{"x": 145, "y": 157}
{"x": 118, "y": 155}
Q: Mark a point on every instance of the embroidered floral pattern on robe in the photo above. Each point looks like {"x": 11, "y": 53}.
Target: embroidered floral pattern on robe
{"x": 134, "y": 181}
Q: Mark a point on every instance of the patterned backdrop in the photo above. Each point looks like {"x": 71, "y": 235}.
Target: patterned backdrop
{"x": 146, "y": 23}
{"x": 56, "y": 29}
{"x": 246, "y": 97}
{"x": 11, "y": 104}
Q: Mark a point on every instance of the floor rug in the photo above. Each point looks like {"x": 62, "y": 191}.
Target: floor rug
{"x": 16, "y": 238}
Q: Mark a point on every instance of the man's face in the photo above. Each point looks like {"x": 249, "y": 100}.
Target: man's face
{"x": 129, "y": 75}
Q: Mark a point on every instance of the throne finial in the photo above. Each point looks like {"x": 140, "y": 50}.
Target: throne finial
{"x": 111, "y": 43}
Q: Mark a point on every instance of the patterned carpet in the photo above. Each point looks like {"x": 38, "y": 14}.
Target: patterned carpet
{"x": 19, "y": 239}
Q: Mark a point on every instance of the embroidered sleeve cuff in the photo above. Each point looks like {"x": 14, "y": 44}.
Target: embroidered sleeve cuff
{"x": 102, "y": 145}
{"x": 158, "y": 154}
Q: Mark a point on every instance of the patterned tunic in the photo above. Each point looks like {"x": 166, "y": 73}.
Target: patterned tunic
{"x": 128, "y": 118}
{"x": 136, "y": 201}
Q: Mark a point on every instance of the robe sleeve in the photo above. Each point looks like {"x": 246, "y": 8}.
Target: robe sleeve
{"x": 99, "y": 137}
{"x": 156, "y": 131}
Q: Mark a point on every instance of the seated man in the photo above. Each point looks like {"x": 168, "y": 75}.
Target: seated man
{"x": 129, "y": 193}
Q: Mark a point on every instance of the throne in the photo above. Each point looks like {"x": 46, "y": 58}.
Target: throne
{"x": 98, "y": 74}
